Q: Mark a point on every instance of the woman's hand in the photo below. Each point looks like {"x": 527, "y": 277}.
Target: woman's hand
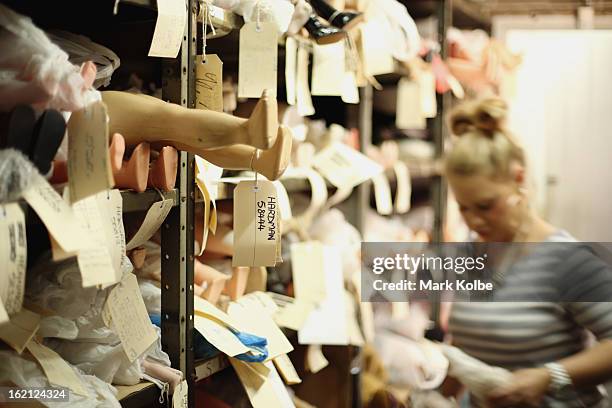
{"x": 527, "y": 389}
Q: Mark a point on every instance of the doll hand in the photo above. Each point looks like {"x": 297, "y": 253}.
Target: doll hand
{"x": 527, "y": 389}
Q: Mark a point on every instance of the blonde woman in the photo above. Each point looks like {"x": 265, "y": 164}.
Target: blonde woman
{"x": 543, "y": 343}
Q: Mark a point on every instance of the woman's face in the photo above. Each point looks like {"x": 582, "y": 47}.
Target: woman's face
{"x": 489, "y": 207}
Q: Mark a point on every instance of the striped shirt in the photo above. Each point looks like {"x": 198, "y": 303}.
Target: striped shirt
{"x": 527, "y": 334}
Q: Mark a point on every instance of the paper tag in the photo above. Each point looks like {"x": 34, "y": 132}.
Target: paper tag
{"x": 55, "y": 213}
{"x": 89, "y": 170}
{"x": 308, "y": 273}
{"x": 258, "y": 57}
{"x": 206, "y": 216}
{"x": 262, "y": 384}
{"x": 290, "y": 69}
{"x": 219, "y": 336}
{"x": 209, "y": 83}
{"x": 126, "y": 313}
{"x": 153, "y": 220}
{"x": 293, "y": 315}
{"x": 287, "y": 370}
{"x": 409, "y": 114}
{"x": 169, "y": 28}
{"x": 315, "y": 360}
{"x": 180, "y": 398}
{"x": 403, "y": 192}
{"x": 57, "y": 370}
{"x": 327, "y": 323}
{"x": 376, "y": 51}
{"x": 354, "y": 333}
{"x": 284, "y": 206}
{"x": 382, "y": 194}
{"x": 328, "y": 69}
{"x": 95, "y": 262}
{"x": 344, "y": 166}
{"x": 4, "y": 317}
{"x": 111, "y": 207}
{"x": 350, "y": 93}
{"x": 427, "y": 87}
{"x": 13, "y": 255}
{"x": 256, "y": 224}
{"x": 255, "y": 320}
{"x": 302, "y": 92}
{"x": 20, "y": 329}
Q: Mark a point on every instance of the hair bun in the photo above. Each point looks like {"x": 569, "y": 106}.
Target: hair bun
{"x": 487, "y": 115}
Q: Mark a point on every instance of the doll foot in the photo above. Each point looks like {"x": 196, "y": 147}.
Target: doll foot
{"x": 135, "y": 172}
{"x": 162, "y": 173}
{"x": 116, "y": 151}
{"x": 262, "y": 126}
{"x": 273, "y": 162}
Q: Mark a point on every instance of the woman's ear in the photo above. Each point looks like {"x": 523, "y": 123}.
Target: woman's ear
{"x": 517, "y": 172}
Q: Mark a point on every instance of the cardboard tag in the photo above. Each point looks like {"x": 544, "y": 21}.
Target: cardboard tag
{"x": 57, "y": 370}
{"x": 209, "y": 83}
{"x": 293, "y": 315}
{"x": 111, "y": 207}
{"x": 328, "y": 69}
{"x": 256, "y": 320}
{"x": 403, "y": 192}
{"x": 180, "y": 398}
{"x": 376, "y": 52}
{"x": 315, "y": 360}
{"x": 258, "y": 59}
{"x": 382, "y": 194}
{"x": 20, "y": 329}
{"x": 4, "y": 317}
{"x": 89, "y": 170}
{"x": 344, "y": 166}
{"x": 302, "y": 92}
{"x": 13, "y": 255}
{"x": 219, "y": 336}
{"x": 327, "y": 323}
{"x": 308, "y": 271}
{"x": 287, "y": 370}
{"x": 204, "y": 308}
{"x": 126, "y": 313}
{"x": 427, "y": 87}
{"x": 95, "y": 262}
{"x": 409, "y": 113}
{"x": 169, "y": 28}
{"x": 290, "y": 69}
{"x": 55, "y": 213}
{"x": 256, "y": 224}
{"x": 262, "y": 384}
{"x": 350, "y": 93}
{"x": 355, "y": 337}
{"x": 153, "y": 220}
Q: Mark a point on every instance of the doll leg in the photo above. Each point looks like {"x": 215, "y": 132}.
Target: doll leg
{"x": 140, "y": 118}
{"x": 162, "y": 173}
{"x": 135, "y": 172}
{"x": 271, "y": 162}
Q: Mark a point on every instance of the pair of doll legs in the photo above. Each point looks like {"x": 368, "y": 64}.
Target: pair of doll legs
{"x": 224, "y": 140}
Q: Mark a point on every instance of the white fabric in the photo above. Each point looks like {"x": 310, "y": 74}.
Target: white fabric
{"x": 33, "y": 70}
{"x": 25, "y": 373}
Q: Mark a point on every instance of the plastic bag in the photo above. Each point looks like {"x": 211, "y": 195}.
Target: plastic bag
{"x": 278, "y": 12}
{"x": 35, "y": 71}
{"x": 25, "y": 373}
{"x": 416, "y": 364}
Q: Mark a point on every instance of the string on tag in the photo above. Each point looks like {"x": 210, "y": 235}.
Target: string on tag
{"x": 206, "y": 21}
{"x": 258, "y": 22}
{"x": 161, "y": 195}
{"x": 253, "y": 157}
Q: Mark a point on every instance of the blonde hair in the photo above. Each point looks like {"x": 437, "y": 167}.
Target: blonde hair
{"x": 484, "y": 145}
